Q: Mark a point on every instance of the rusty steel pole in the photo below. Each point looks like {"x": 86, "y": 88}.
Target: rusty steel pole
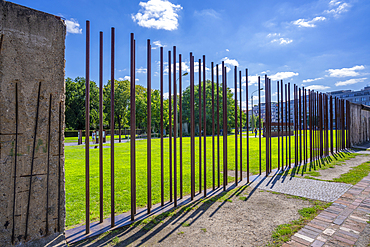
{"x": 87, "y": 131}
{"x": 170, "y": 121}
{"x": 247, "y": 124}
{"x": 180, "y": 127}
{"x": 133, "y": 129}
{"x": 204, "y": 127}
{"x": 192, "y": 128}
{"x": 174, "y": 128}
{"x": 278, "y": 123}
{"x": 112, "y": 127}
{"x": 236, "y": 122}
{"x": 224, "y": 116}
{"x": 213, "y": 127}
{"x": 200, "y": 123}
{"x": 101, "y": 185}
{"x": 241, "y": 126}
{"x": 161, "y": 124}
{"x": 149, "y": 128}
{"x": 259, "y": 123}
{"x": 218, "y": 127}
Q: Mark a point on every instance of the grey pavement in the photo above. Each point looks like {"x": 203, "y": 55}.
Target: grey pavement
{"x": 308, "y": 188}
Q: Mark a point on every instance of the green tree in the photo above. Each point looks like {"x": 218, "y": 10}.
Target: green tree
{"x": 75, "y": 103}
{"x": 230, "y": 107}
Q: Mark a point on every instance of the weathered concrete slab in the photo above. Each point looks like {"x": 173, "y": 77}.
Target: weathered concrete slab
{"x": 32, "y": 45}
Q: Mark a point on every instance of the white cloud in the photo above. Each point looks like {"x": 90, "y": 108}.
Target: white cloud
{"x": 231, "y": 62}
{"x": 238, "y": 90}
{"x": 317, "y": 87}
{"x": 208, "y": 12}
{"x": 184, "y": 68}
{"x": 350, "y": 81}
{"x": 159, "y": 14}
{"x": 282, "y": 41}
{"x": 282, "y": 75}
{"x": 141, "y": 70}
{"x": 251, "y": 80}
{"x": 196, "y": 67}
{"x": 311, "y": 80}
{"x": 157, "y": 45}
{"x": 220, "y": 70}
{"x": 126, "y": 78}
{"x": 344, "y": 72}
{"x": 338, "y": 9}
{"x": 273, "y": 35}
{"x": 307, "y": 23}
{"x": 73, "y": 26}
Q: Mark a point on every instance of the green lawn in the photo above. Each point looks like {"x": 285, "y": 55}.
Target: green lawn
{"x": 75, "y": 172}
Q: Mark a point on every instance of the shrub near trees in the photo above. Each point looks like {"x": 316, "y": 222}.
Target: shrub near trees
{"x": 75, "y": 106}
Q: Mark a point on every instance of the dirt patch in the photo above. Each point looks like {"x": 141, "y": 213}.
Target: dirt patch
{"x": 338, "y": 170}
{"x": 244, "y": 218}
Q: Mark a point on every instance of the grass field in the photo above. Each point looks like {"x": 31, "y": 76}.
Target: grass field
{"x": 75, "y": 172}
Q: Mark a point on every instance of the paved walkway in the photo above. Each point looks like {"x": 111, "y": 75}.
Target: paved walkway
{"x": 308, "y": 188}
{"x": 341, "y": 224}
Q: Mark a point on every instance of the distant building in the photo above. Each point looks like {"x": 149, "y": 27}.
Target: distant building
{"x": 359, "y": 97}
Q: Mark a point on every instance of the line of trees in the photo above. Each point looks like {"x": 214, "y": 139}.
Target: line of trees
{"x": 75, "y": 106}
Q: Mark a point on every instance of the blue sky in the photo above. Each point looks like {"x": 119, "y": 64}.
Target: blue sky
{"x": 323, "y": 45}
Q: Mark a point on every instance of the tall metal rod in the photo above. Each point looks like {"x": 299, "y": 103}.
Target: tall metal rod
{"x": 132, "y": 129}
{"x": 290, "y": 146}
{"x": 15, "y": 161}
{"x": 278, "y": 123}
{"x": 259, "y": 123}
{"x": 310, "y": 120}
{"x": 247, "y": 124}
{"x": 192, "y": 128}
{"x": 200, "y": 123}
{"x": 149, "y": 127}
{"x": 300, "y": 123}
{"x": 295, "y": 125}
{"x": 213, "y": 127}
{"x": 343, "y": 126}
{"x": 180, "y": 123}
{"x": 282, "y": 124}
{"x": 236, "y": 121}
{"x": 286, "y": 127}
{"x": 218, "y": 127}
{"x": 48, "y": 168}
{"x": 204, "y": 127}
{"x": 161, "y": 124}
{"x": 241, "y": 125}
{"x": 270, "y": 128}
{"x": 32, "y": 161}
{"x": 266, "y": 125}
{"x": 174, "y": 128}
{"x": 224, "y": 128}
{"x": 170, "y": 121}
{"x": 112, "y": 128}
{"x": 101, "y": 171}
{"x": 87, "y": 131}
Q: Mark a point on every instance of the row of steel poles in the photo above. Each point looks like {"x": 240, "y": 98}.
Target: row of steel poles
{"x": 314, "y": 116}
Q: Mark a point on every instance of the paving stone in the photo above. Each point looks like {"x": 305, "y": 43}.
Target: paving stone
{"x": 317, "y": 243}
{"x": 308, "y": 188}
{"x": 345, "y": 240}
